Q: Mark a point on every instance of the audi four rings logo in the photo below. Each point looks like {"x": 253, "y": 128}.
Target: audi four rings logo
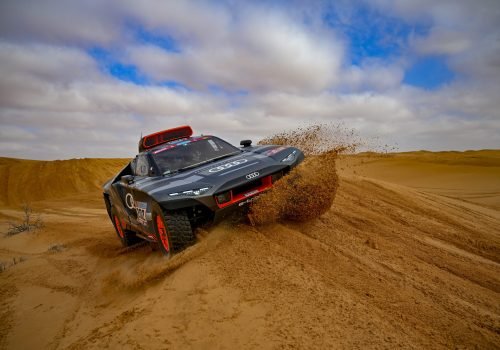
{"x": 252, "y": 175}
{"x": 228, "y": 165}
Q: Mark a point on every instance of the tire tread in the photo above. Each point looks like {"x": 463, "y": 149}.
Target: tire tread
{"x": 179, "y": 226}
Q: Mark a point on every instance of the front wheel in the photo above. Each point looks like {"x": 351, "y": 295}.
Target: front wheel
{"x": 172, "y": 229}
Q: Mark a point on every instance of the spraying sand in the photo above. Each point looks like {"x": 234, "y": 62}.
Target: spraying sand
{"x": 308, "y": 191}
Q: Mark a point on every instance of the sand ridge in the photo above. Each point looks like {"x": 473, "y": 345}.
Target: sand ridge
{"x": 471, "y": 176}
{"x": 392, "y": 264}
{"x": 31, "y": 180}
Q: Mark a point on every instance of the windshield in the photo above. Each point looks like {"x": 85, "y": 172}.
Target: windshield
{"x": 179, "y": 155}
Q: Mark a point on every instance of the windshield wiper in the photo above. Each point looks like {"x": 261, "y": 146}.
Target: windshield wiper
{"x": 168, "y": 172}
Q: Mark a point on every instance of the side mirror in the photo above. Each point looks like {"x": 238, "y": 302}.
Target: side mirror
{"x": 127, "y": 179}
{"x": 245, "y": 143}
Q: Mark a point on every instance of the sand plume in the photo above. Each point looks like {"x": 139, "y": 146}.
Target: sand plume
{"x": 308, "y": 191}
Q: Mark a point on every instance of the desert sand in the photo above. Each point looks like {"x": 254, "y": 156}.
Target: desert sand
{"x": 408, "y": 256}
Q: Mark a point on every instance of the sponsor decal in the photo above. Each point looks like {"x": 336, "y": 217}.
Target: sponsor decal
{"x": 182, "y": 142}
{"x": 129, "y": 201}
{"x": 225, "y": 166}
{"x": 194, "y": 139}
{"x": 246, "y": 201}
{"x": 252, "y": 175}
{"x": 274, "y": 151}
{"x": 139, "y": 207}
{"x": 164, "y": 149}
{"x": 251, "y": 193}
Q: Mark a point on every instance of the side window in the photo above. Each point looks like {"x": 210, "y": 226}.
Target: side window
{"x": 142, "y": 166}
{"x": 133, "y": 165}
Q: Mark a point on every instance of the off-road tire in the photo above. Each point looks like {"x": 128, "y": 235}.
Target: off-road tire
{"x": 126, "y": 237}
{"x": 179, "y": 233}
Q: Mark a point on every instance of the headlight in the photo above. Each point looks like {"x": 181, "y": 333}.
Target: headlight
{"x": 196, "y": 192}
{"x": 223, "y": 197}
{"x": 290, "y": 157}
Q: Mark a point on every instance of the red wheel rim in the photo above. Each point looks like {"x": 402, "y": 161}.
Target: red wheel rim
{"x": 118, "y": 227}
{"x": 162, "y": 230}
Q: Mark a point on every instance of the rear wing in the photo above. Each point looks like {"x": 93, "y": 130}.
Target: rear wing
{"x": 164, "y": 136}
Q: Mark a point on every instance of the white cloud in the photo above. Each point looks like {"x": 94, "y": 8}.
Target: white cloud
{"x": 59, "y": 79}
{"x": 47, "y": 62}
{"x": 87, "y": 22}
{"x": 372, "y": 76}
{"x": 261, "y": 51}
{"x": 15, "y": 133}
{"x": 442, "y": 41}
{"x": 193, "y": 22}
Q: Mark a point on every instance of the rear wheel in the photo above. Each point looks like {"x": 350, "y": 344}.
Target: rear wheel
{"x": 127, "y": 237}
{"x": 172, "y": 229}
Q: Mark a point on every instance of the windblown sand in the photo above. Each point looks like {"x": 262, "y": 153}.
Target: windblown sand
{"x": 306, "y": 193}
{"x": 408, "y": 256}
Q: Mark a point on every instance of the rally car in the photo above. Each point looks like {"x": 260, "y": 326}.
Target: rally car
{"x": 179, "y": 181}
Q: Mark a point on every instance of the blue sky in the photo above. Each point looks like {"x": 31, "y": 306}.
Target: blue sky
{"x": 429, "y": 72}
{"x": 87, "y": 78}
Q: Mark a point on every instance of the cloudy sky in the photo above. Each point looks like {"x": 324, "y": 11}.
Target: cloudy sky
{"x": 86, "y": 78}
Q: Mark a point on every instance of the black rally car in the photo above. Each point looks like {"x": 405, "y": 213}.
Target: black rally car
{"x": 179, "y": 181}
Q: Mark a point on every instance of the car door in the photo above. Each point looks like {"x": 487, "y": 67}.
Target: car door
{"x": 121, "y": 195}
{"x": 137, "y": 201}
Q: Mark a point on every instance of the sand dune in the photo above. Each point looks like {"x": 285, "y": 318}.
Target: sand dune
{"x": 472, "y": 176}
{"x": 405, "y": 258}
{"x": 31, "y": 180}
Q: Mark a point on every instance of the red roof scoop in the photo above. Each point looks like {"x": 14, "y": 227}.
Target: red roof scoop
{"x": 164, "y": 136}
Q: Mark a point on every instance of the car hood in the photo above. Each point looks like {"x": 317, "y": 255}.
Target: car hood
{"x": 217, "y": 176}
